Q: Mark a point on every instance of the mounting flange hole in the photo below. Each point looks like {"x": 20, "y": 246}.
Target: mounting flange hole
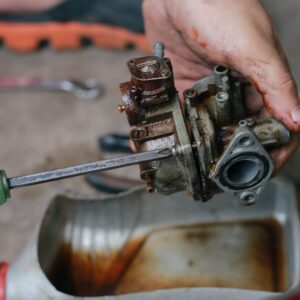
{"x": 245, "y": 141}
{"x": 248, "y": 198}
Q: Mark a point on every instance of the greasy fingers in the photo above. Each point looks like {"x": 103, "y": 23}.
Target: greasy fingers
{"x": 270, "y": 75}
{"x": 240, "y": 35}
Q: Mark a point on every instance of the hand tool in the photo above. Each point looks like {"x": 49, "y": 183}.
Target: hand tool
{"x": 82, "y": 90}
{"x": 112, "y": 142}
{"x": 6, "y": 184}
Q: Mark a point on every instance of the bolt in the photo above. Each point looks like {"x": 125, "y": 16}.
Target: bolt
{"x": 250, "y": 122}
{"x": 138, "y": 133}
{"x": 121, "y": 108}
{"x": 225, "y": 83}
{"x": 190, "y": 93}
{"x": 150, "y": 187}
{"x": 222, "y": 97}
{"x": 133, "y": 89}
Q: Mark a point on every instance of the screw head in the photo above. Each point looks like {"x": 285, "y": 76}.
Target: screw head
{"x": 222, "y": 97}
{"x": 121, "y": 108}
{"x": 250, "y": 122}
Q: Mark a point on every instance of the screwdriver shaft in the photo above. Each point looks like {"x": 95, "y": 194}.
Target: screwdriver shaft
{"x": 109, "y": 164}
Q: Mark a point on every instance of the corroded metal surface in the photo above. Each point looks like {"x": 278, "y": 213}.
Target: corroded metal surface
{"x": 144, "y": 246}
{"x": 201, "y": 127}
{"x": 209, "y": 255}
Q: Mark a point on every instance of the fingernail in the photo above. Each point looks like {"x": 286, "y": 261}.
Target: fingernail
{"x": 296, "y": 115}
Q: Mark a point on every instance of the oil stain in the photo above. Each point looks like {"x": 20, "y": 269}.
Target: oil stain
{"x": 246, "y": 255}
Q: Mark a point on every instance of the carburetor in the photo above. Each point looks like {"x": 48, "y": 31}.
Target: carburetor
{"x": 216, "y": 145}
{"x": 205, "y": 144}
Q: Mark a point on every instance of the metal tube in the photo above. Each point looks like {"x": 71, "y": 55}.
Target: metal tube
{"x": 223, "y": 108}
{"x": 221, "y": 72}
{"x": 158, "y": 49}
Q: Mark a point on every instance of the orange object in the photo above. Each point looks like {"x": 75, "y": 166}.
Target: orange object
{"x": 29, "y": 36}
{"x": 3, "y": 272}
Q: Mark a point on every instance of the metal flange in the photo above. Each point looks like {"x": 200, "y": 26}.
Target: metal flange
{"x": 245, "y": 166}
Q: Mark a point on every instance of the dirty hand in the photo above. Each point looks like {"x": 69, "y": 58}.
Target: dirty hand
{"x": 238, "y": 34}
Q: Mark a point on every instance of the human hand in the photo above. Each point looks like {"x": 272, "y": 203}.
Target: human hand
{"x": 238, "y": 34}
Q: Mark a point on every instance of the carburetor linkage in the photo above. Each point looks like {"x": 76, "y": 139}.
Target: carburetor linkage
{"x": 202, "y": 144}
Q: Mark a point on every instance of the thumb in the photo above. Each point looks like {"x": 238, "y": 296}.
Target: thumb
{"x": 269, "y": 73}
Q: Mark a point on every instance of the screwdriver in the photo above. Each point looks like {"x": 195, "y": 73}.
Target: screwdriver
{"x": 7, "y": 184}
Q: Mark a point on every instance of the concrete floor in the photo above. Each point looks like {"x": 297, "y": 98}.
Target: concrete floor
{"x": 46, "y": 130}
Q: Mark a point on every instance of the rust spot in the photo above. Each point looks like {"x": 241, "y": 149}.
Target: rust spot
{"x": 225, "y": 135}
{"x": 82, "y": 273}
{"x": 203, "y": 45}
{"x": 201, "y": 252}
{"x": 195, "y": 33}
{"x": 196, "y": 36}
{"x": 121, "y": 108}
{"x": 259, "y": 252}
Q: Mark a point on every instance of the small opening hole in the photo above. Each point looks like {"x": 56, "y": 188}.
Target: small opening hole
{"x": 220, "y": 69}
{"x": 245, "y": 141}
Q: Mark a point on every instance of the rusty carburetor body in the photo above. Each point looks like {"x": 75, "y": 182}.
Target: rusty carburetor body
{"x": 215, "y": 144}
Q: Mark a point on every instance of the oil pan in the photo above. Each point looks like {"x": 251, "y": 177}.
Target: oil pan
{"x": 147, "y": 246}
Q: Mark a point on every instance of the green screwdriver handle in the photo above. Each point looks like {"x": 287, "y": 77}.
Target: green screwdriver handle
{"x": 4, "y": 188}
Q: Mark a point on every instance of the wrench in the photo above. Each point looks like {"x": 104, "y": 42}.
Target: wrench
{"x": 82, "y": 90}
